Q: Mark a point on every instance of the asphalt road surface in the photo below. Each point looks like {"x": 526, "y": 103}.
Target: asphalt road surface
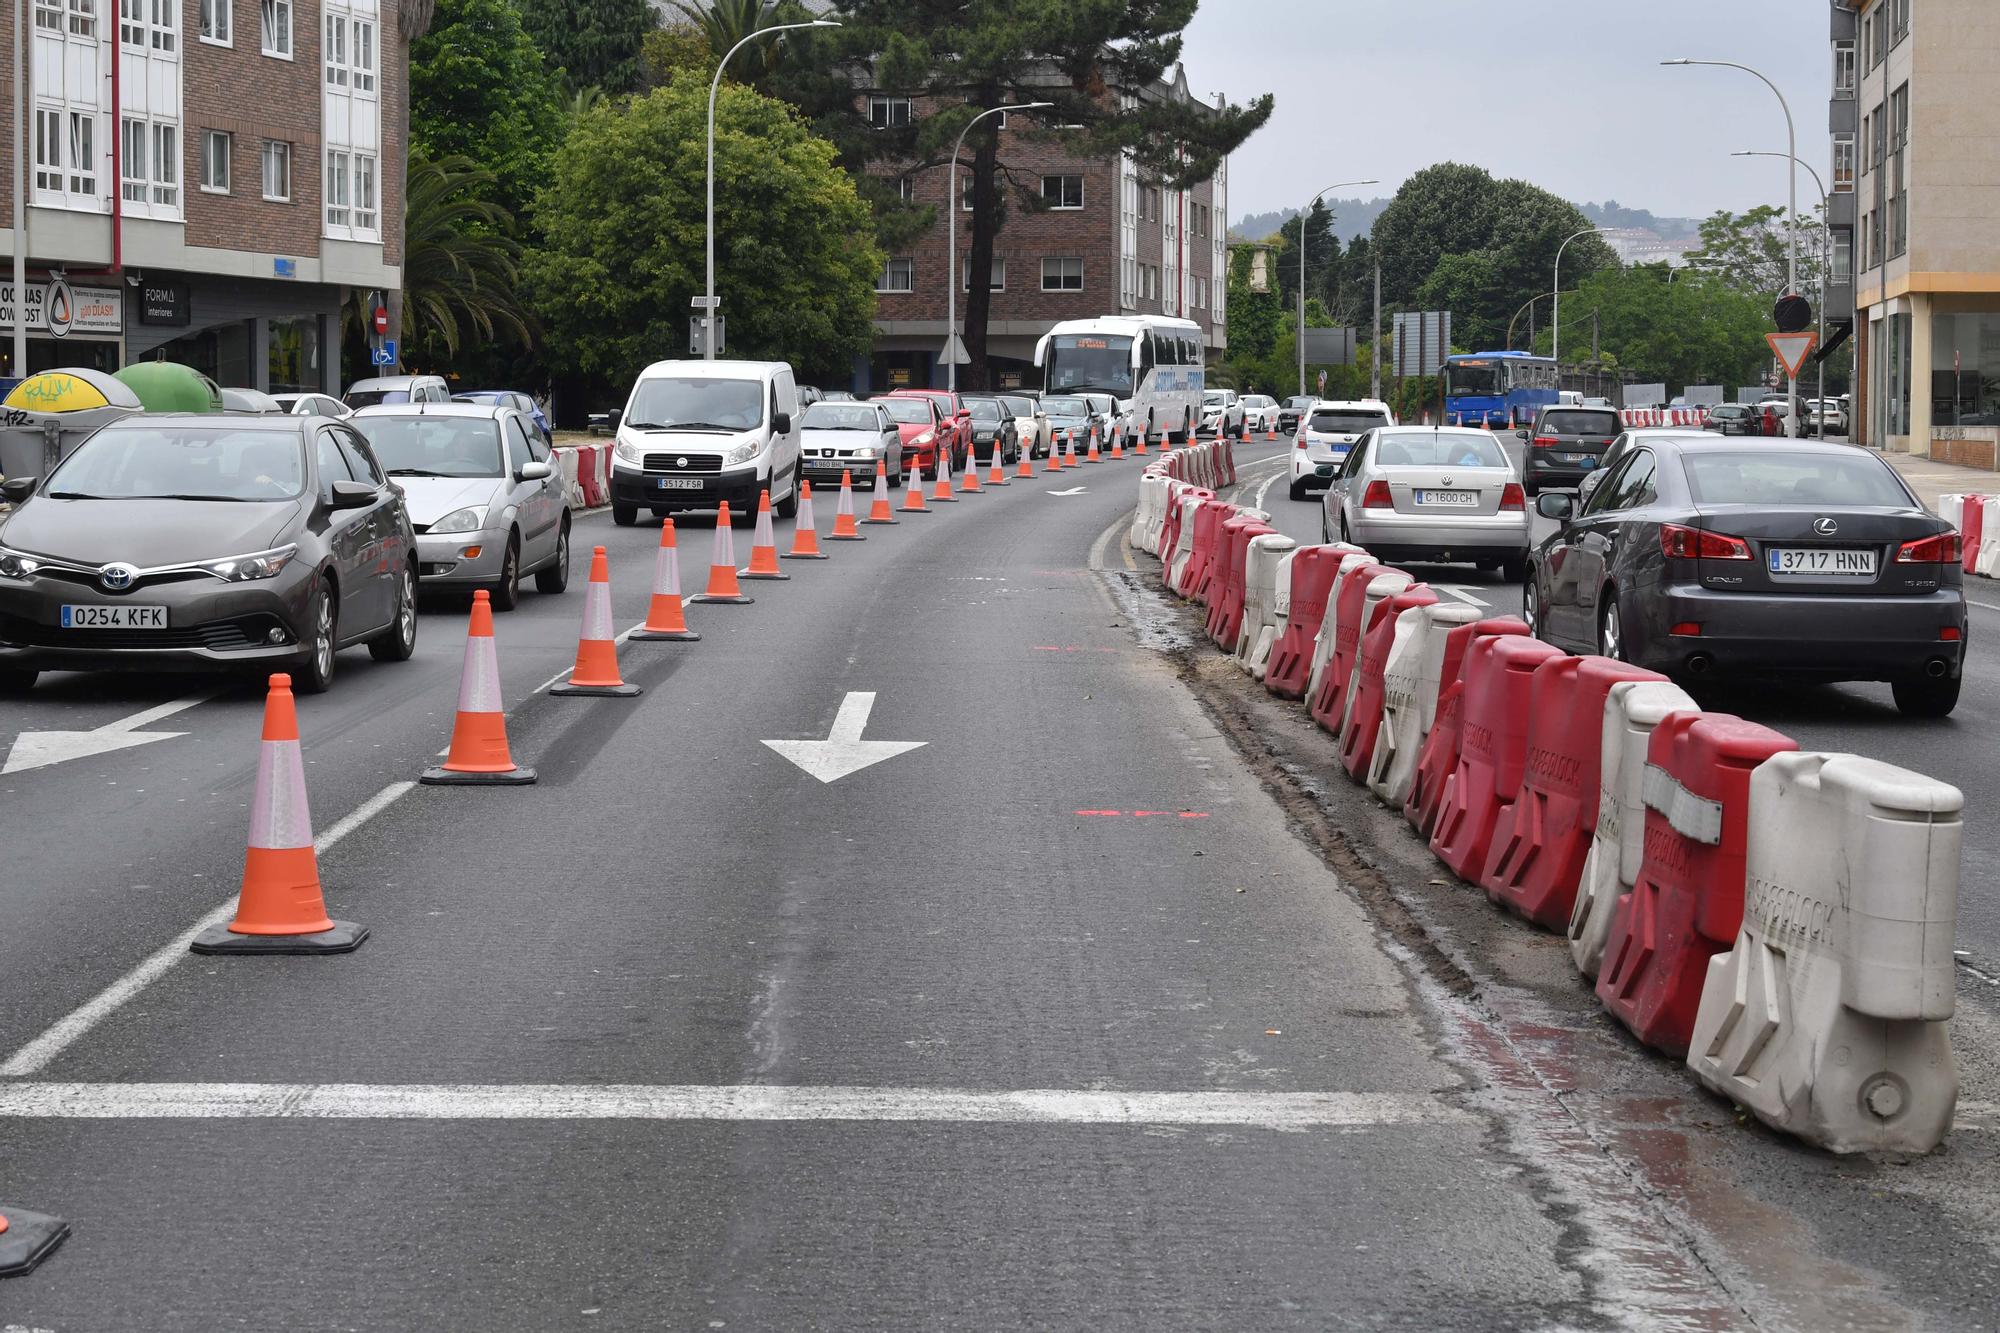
{"x": 1068, "y": 1018}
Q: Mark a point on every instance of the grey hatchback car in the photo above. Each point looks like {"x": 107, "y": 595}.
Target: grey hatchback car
{"x": 1567, "y": 444}
{"x": 206, "y": 542}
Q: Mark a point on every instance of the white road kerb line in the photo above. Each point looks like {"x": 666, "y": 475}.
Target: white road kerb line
{"x": 550, "y": 1101}
{"x": 33, "y": 1057}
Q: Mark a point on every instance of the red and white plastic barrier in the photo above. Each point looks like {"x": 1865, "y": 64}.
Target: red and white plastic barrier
{"x": 1636, "y": 418}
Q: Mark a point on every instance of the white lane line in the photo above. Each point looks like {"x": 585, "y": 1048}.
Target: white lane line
{"x": 552, "y": 1101}
{"x": 1265, "y": 489}
{"x": 67, "y": 1031}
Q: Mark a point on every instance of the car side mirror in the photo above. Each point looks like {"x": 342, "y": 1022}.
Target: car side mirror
{"x": 965, "y": 414}
{"x": 781, "y": 423}
{"x": 533, "y": 472}
{"x": 1521, "y": 434}
{"x": 16, "y": 489}
{"x": 1552, "y": 504}
{"x": 352, "y": 495}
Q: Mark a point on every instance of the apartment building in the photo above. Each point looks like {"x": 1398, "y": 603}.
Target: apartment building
{"x": 204, "y": 181}
{"x": 1916, "y": 156}
{"x": 1101, "y": 242}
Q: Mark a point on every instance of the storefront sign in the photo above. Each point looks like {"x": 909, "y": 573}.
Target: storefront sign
{"x": 89, "y": 312}
{"x": 164, "y": 303}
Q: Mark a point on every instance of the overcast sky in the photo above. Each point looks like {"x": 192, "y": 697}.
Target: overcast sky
{"x": 1567, "y": 94}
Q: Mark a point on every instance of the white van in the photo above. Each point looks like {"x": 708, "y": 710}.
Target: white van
{"x": 696, "y": 433}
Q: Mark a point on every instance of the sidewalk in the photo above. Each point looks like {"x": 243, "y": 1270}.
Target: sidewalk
{"x": 1931, "y": 479}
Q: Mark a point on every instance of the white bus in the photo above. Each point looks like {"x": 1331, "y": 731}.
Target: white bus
{"x": 1151, "y": 364}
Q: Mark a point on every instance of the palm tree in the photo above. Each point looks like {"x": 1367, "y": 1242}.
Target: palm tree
{"x": 459, "y": 271}
{"x": 726, "y": 22}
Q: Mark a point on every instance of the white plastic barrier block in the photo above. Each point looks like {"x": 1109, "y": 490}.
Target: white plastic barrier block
{"x": 1828, "y": 1018}
{"x": 567, "y": 460}
{"x": 1631, "y": 711}
{"x": 1281, "y": 614}
{"x": 1410, "y": 684}
{"x": 1987, "y": 563}
{"x": 1951, "y": 508}
{"x": 1380, "y": 589}
{"x": 1152, "y": 500}
{"x": 1184, "y": 545}
{"x": 602, "y": 462}
{"x": 1260, "y": 587}
{"x": 1328, "y": 628}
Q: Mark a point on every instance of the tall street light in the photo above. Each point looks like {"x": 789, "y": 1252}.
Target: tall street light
{"x": 953, "y": 346}
{"x": 1556, "y": 306}
{"x": 1791, "y": 180}
{"x": 711, "y": 308}
{"x": 1303, "y": 218}
{"x": 1825, "y": 247}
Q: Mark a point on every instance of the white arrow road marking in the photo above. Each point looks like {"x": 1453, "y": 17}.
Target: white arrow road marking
{"x": 40, "y": 749}
{"x": 1470, "y": 596}
{"x": 843, "y": 751}
{"x": 1074, "y": 490}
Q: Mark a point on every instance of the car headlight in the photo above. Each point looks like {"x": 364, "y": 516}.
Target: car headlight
{"x": 631, "y": 451}
{"x": 866, "y": 454}
{"x": 742, "y": 453}
{"x": 925, "y": 440}
{"x": 469, "y": 519}
{"x": 256, "y": 565}
{"x": 14, "y": 565}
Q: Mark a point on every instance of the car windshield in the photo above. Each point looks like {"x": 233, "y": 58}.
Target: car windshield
{"x": 1257, "y": 400}
{"x": 1580, "y": 423}
{"x": 824, "y": 415}
{"x": 1337, "y": 422}
{"x": 1066, "y": 407}
{"x": 665, "y": 403}
{"x": 984, "y": 409}
{"x": 1214, "y": 399}
{"x": 1437, "y": 448}
{"x": 1813, "y": 480}
{"x": 182, "y": 462}
{"x": 1020, "y": 407}
{"x": 1298, "y": 403}
{"x": 1472, "y": 378}
{"x": 375, "y": 397}
{"x": 908, "y": 411}
{"x": 428, "y": 446}
{"x": 1090, "y": 361}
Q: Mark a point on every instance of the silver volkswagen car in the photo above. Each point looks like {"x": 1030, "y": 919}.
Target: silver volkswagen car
{"x": 1431, "y": 494}
{"x": 485, "y": 498}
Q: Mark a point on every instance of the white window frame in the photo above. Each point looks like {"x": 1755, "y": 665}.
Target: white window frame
{"x": 337, "y": 191}
{"x": 1062, "y": 273}
{"x": 166, "y": 136}
{"x": 133, "y": 183}
{"x": 889, "y": 269}
{"x": 49, "y": 16}
{"x": 362, "y": 50}
{"x": 996, "y": 279}
{"x": 82, "y": 19}
{"x": 209, "y": 138}
{"x": 1844, "y": 163}
{"x": 280, "y": 152}
{"x": 368, "y": 200}
{"x": 216, "y": 22}
{"x": 1063, "y": 178}
{"x": 271, "y": 16}
{"x": 906, "y": 188}
{"x": 80, "y": 138}
{"x": 333, "y": 49}
{"x": 887, "y": 104}
{"x": 1846, "y": 71}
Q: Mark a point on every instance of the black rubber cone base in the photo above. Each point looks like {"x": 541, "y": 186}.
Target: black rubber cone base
{"x": 345, "y": 937}
{"x": 664, "y": 636}
{"x": 448, "y": 777}
{"x": 626, "y": 691}
{"x": 713, "y": 600}
{"x": 878, "y": 522}
{"x": 770, "y": 578}
{"x": 28, "y": 1239}
{"x": 805, "y": 555}
{"x": 853, "y": 537}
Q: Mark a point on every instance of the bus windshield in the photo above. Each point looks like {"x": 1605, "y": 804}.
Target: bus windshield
{"x": 1099, "y": 361}
{"x": 1473, "y": 377}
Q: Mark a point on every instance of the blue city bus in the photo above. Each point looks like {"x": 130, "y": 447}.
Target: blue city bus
{"x": 1498, "y": 389}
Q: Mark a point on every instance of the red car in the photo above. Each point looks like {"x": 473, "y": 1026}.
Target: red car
{"x": 921, "y": 426}
{"x": 956, "y": 422}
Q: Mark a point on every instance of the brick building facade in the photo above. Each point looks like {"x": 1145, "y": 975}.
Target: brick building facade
{"x": 209, "y": 178}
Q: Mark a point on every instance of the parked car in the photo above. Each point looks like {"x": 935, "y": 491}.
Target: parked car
{"x": 921, "y": 424}
{"x": 1325, "y": 435}
{"x": 957, "y": 429}
{"x": 1430, "y": 494}
{"x": 992, "y": 427}
{"x": 1823, "y": 417}
{"x": 1221, "y": 413}
{"x": 207, "y": 542}
{"x": 1070, "y": 415}
{"x": 837, "y": 437}
{"x": 1031, "y": 424}
{"x": 1731, "y": 419}
{"x": 313, "y": 405}
{"x": 253, "y": 402}
{"x": 1698, "y": 556}
{"x": 487, "y": 502}
{"x": 1260, "y": 412}
{"x": 396, "y": 389}
{"x": 524, "y": 403}
{"x": 1108, "y": 412}
{"x": 1566, "y": 444}
{"x": 1291, "y": 410}
{"x": 696, "y": 433}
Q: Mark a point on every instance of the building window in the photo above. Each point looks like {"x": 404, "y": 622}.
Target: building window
{"x": 365, "y": 213}
{"x": 1842, "y": 264}
{"x": 82, "y": 153}
{"x": 215, "y": 146}
{"x": 1062, "y": 191}
{"x": 132, "y": 164}
{"x": 364, "y": 56}
{"x": 1902, "y": 10}
{"x": 1062, "y": 275}
{"x": 965, "y": 192}
{"x": 890, "y": 113}
{"x": 216, "y": 24}
{"x": 1843, "y": 70}
{"x": 334, "y": 50}
{"x": 1128, "y": 272}
{"x": 906, "y": 188}
{"x": 167, "y": 165}
{"x": 1843, "y": 164}
{"x": 898, "y": 275}
{"x": 1899, "y": 193}
{"x": 339, "y": 165}
{"x": 277, "y": 158}
{"x": 276, "y": 17}
{"x": 83, "y": 18}
{"x": 49, "y": 15}
{"x": 996, "y": 278}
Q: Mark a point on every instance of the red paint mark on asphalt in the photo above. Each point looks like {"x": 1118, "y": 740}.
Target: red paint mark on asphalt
{"x": 1143, "y": 814}
{"x": 1069, "y": 648}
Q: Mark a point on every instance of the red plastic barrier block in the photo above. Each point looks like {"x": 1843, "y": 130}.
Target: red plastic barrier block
{"x": 1206, "y": 565}
{"x": 1687, "y": 904}
{"x": 1225, "y": 613}
{"x": 1313, "y": 570}
{"x": 1229, "y": 459}
{"x": 1364, "y": 711}
{"x": 1972, "y": 530}
{"x": 1349, "y": 599}
{"x": 1542, "y": 839}
{"x": 1492, "y": 747}
{"x": 1439, "y": 756}
{"x": 586, "y": 473}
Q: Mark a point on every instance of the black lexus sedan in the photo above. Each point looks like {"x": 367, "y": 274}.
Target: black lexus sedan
{"x": 1696, "y": 555}
{"x": 204, "y": 543}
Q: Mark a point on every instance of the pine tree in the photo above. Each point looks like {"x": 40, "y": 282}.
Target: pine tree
{"x": 595, "y": 42}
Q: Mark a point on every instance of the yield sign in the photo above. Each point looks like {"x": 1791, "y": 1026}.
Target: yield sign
{"x": 1792, "y": 349}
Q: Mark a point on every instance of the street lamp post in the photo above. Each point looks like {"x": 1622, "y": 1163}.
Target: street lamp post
{"x": 711, "y": 309}
{"x": 952, "y": 346}
{"x": 1792, "y": 181}
{"x": 1303, "y": 219}
{"x": 1825, "y": 247}
{"x": 1525, "y": 307}
{"x": 1556, "y": 306}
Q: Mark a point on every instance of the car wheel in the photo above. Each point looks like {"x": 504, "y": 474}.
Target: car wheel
{"x": 17, "y": 680}
{"x": 1611, "y": 630}
{"x": 1298, "y": 490}
{"x": 1531, "y": 605}
{"x": 314, "y": 672}
{"x": 507, "y": 592}
{"x": 398, "y": 643}
{"x": 624, "y": 515}
{"x": 789, "y": 506}
{"x": 1925, "y": 697}
{"x": 1515, "y": 569}
{"x": 554, "y": 576}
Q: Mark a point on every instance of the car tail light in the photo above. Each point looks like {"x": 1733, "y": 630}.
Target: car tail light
{"x": 1949, "y": 634}
{"x": 1943, "y": 549}
{"x": 1377, "y": 496}
{"x": 1687, "y": 629}
{"x": 1546, "y": 441}
{"x": 1679, "y": 543}
{"x": 1302, "y": 441}
{"x": 1513, "y": 497}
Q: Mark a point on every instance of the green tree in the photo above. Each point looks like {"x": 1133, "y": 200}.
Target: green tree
{"x": 1699, "y": 329}
{"x": 960, "y": 56}
{"x": 1748, "y": 250}
{"x": 596, "y": 43}
{"x": 623, "y": 234}
{"x": 671, "y": 48}
{"x": 722, "y": 24}
{"x": 459, "y": 264}
{"x": 478, "y": 88}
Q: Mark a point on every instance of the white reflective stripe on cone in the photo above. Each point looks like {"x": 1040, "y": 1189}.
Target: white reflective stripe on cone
{"x": 764, "y": 535}
{"x": 725, "y": 543}
{"x": 667, "y": 572}
{"x": 479, "y": 680}
{"x": 280, "y": 819}
{"x": 804, "y": 521}
{"x": 597, "y": 612}
{"x": 844, "y": 506}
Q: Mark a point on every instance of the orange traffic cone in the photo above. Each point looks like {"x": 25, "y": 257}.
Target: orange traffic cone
{"x": 280, "y": 908}
{"x": 596, "y": 671}
{"x": 722, "y": 585}
{"x": 1093, "y": 456}
{"x": 997, "y": 476}
{"x": 943, "y": 493}
{"x": 1270, "y": 432}
{"x": 764, "y": 545}
{"x": 1053, "y": 463}
{"x": 969, "y": 483}
{"x": 878, "y": 510}
{"x": 805, "y": 529}
{"x": 479, "y": 756}
{"x": 913, "y": 492}
{"x": 1027, "y": 465}
{"x": 665, "y": 620}
{"x": 1117, "y": 442}
{"x": 1140, "y": 436}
